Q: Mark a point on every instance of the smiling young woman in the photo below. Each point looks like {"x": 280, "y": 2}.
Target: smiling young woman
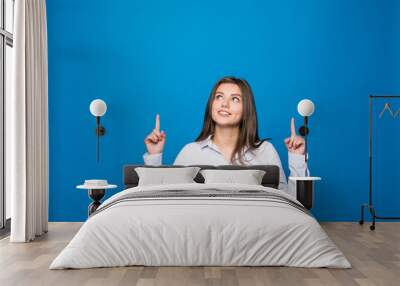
{"x": 231, "y": 119}
{"x": 230, "y": 135}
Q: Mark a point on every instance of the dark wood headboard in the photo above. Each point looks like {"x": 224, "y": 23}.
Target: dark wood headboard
{"x": 270, "y": 179}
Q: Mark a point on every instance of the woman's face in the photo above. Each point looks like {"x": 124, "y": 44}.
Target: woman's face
{"x": 227, "y": 105}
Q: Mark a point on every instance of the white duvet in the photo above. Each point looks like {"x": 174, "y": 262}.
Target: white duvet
{"x": 200, "y": 231}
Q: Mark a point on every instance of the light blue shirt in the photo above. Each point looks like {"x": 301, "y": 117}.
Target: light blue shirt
{"x": 207, "y": 153}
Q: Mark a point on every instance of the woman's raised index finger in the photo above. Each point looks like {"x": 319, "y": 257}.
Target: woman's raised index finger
{"x": 158, "y": 122}
{"x": 292, "y": 128}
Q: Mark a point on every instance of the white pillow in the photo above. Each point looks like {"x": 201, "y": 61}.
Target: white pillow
{"x": 163, "y": 176}
{"x": 248, "y": 177}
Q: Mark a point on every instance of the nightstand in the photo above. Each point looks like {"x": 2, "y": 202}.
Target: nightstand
{"x": 305, "y": 190}
{"x": 96, "y": 191}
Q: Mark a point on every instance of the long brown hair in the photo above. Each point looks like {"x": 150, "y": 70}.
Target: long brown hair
{"x": 248, "y": 129}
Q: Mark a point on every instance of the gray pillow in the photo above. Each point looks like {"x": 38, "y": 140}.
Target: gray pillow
{"x": 248, "y": 177}
{"x": 162, "y": 176}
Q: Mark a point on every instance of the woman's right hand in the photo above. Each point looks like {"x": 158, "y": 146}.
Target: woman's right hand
{"x": 156, "y": 139}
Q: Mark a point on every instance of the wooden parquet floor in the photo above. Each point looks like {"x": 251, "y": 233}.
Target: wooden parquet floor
{"x": 374, "y": 255}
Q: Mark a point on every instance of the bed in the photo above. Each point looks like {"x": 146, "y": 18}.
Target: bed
{"x": 201, "y": 224}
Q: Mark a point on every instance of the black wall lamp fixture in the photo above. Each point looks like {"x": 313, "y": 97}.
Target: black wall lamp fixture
{"x": 98, "y": 108}
{"x": 306, "y": 109}
{"x": 305, "y": 185}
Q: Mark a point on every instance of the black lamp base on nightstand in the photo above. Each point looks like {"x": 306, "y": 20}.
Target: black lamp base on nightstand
{"x": 96, "y": 195}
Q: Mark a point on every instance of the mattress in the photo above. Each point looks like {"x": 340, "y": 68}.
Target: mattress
{"x": 201, "y": 225}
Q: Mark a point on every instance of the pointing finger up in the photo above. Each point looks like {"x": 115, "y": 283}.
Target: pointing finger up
{"x": 292, "y": 132}
{"x": 292, "y": 128}
{"x": 158, "y": 122}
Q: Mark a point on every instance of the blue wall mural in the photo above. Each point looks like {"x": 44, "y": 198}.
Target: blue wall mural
{"x": 148, "y": 57}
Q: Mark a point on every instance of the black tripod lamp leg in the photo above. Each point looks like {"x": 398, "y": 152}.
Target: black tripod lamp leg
{"x": 372, "y": 227}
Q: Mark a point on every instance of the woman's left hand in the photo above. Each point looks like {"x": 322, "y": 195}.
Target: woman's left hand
{"x": 295, "y": 143}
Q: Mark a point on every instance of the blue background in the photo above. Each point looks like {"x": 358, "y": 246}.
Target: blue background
{"x": 148, "y": 57}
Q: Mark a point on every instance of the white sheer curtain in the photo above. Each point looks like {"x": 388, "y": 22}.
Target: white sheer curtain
{"x": 27, "y": 124}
